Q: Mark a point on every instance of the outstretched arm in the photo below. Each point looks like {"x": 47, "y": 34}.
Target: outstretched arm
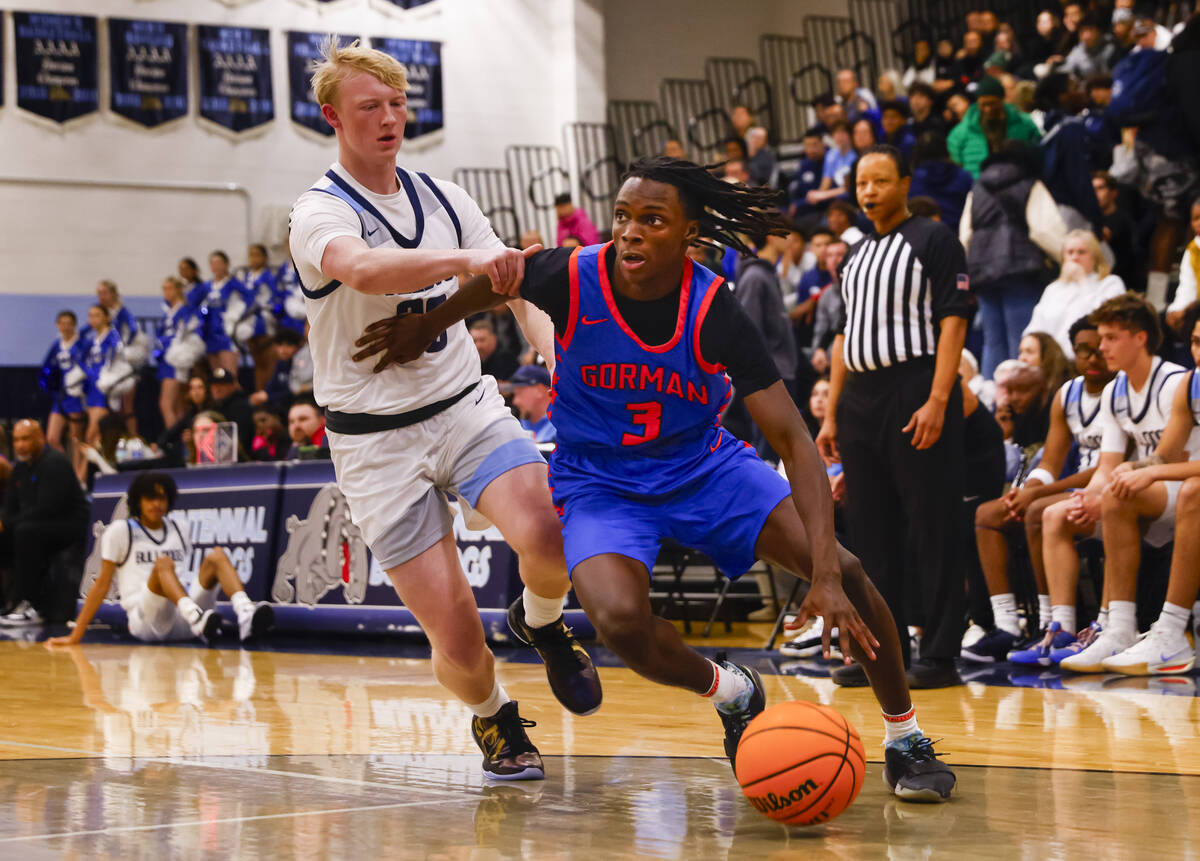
{"x": 95, "y": 597}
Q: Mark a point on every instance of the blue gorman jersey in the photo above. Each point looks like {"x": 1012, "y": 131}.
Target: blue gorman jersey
{"x": 642, "y": 419}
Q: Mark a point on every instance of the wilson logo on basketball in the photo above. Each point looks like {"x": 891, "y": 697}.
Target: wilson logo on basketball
{"x": 770, "y": 803}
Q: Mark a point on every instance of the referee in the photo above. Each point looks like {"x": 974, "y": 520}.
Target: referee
{"x": 895, "y": 416}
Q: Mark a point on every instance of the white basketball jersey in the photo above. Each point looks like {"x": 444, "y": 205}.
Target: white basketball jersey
{"x": 1140, "y": 416}
{"x": 135, "y": 549}
{"x": 424, "y": 213}
{"x": 1082, "y": 411}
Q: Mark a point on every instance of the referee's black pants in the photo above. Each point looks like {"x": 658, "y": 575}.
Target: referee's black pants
{"x": 903, "y": 504}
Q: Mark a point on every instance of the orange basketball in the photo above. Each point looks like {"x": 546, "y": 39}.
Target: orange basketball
{"x": 800, "y": 763}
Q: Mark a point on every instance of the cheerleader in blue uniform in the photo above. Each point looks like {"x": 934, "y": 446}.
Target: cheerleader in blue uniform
{"x": 258, "y": 325}
{"x": 220, "y": 303}
{"x": 179, "y": 347}
{"x": 99, "y": 352}
{"x": 62, "y": 373}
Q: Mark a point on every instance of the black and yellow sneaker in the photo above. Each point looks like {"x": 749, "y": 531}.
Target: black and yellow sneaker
{"x": 914, "y": 773}
{"x": 569, "y": 668}
{"x": 736, "y": 717}
{"x": 508, "y": 754}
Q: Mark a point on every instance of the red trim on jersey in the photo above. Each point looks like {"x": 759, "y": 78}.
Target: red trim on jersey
{"x": 704, "y": 306}
{"x": 680, "y": 321}
{"x": 573, "y": 310}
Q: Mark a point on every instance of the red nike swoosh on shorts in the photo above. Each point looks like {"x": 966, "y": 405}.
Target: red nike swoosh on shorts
{"x": 585, "y": 321}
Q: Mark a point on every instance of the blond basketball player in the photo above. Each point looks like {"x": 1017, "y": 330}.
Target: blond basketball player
{"x": 371, "y": 239}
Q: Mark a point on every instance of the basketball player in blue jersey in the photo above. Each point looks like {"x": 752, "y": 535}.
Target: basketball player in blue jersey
{"x": 371, "y": 238}
{"x": 647, "y": 345}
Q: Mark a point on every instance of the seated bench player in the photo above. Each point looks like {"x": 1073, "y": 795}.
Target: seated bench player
{"x": 143, "y": 552}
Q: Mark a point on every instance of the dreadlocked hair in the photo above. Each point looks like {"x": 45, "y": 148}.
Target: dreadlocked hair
{"x": 726, "y": 213}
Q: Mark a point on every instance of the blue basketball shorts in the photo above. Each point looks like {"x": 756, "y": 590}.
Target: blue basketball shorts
{"x": 720, "y": 513}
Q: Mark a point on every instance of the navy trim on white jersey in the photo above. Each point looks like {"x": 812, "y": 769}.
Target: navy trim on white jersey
{"x": 363, "y": 204}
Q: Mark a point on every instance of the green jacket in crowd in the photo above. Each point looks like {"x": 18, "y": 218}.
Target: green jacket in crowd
{"x": 968, "y": 144}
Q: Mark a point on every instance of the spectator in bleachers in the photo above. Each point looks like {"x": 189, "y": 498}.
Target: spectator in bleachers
{"x": 493, "y": 362}
{"x": 259, "y": 319}
{"x": 1072, "y": 17}
{"x": 943, "y": 64}
{"x": 277, "y": 393}
{"x": 180, "y": 347}
{"x": 531, "y": 397}
{"x": 935, "y": 176}
{"x": 762, "y": 158}
{"x": 1085, "y": 282}
{"x": 573, "y": 221}
{"x": 757, "y": 290}
{"x": 271, "y": 441}
{"x": 198, "y": 448}
{"x": 1189, "y": 275}
{"x": 62, "y": 369}
{"x": 1040, "y": 350}
{"x": 920, "y": 68}
{"x": 968, "y": 61}
{"x": 921, "y": 102}
{"x": 830, "y": 307}
{"x": 175, "y": 441}
{"x": 888, "y": 88}
{"x": 977, "y": 384}
{"x": 1129, "y": 263}
{"x": 216, "y": 302}
{"x": 44, "y": 512}
{"x": 828, "y": 111}
{"x": 1122, "y": 30}
{"x": 854, "y": 98}
{"x": 306, "y": 427}
{"x": 839, "y": 159}
{"x": 1005, "y": 55}
{"x": 863, "y": 137}
{"x": 1045, "y": 42}
{"x": 302, "y": 367}
{"x": 735, "y": 149}
{"x": 955, "y": 107}
{"x": 100, "y": 351}
{"x": 893, "y": 120}
{"x": 233, "y": 403}
{"x": 816, "y": 278}
{"x": 1011, "y": 230}
{"x": 807, "y": 178}
{"x": 1073, "y": 146}
{"x": 841, "y": 218}
{"x": 673, "y": 148}
{"x": 742, "y": 121}
{"x": 926, "y": 207}
{"x": 986, "y": 125}
{"x": 1094, "y": 53}
{"x": 1099, "y": 92}
{"x": 790, "y": 267}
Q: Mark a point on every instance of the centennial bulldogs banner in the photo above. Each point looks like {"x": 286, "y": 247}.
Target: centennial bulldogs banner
{"x": 303, "y": 48}
{"x": 235, "y": 76}
{"x": 57, "y": 70}
{"x": 424, "y": 63}
{"x": 148, "y": 69}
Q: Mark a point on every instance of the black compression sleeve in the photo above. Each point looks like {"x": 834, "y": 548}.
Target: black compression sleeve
{"x": 547, "y": 284}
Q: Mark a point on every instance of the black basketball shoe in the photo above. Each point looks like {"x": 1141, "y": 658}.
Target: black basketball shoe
{"x": 569, "y": 668}
{"x": 508, "y": 754}
{"x": 736, "y": 720}
{"x": 913, "y": 771}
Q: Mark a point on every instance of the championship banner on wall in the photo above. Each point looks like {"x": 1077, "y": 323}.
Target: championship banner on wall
{"x": 424, "y": 63}
{"x": 148, "y": 70}
{"x": 235, "y": 76}
{"x": 302, "y": 49}
{"x": 57, "y": 71}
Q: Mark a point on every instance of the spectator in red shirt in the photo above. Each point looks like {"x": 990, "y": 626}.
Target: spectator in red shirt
{"x": 306, "y": 427}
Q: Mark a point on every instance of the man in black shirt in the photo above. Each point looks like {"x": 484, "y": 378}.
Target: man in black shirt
{"x": 895, "y": 416}
{"x": 1120, "y": 234}
{"x": 492, "y": 360}
{"x": 44, "y": 512}
{"x": 234, "y": 404}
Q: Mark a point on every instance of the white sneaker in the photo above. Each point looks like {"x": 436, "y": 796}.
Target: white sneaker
{"x": 1091, "y": 659}
{"x": 973, "y": 635}
{"x": 22, "y": 615}
{"x": 1157, "y": 653}
{"x": 207, "y": 627}
{"x": 256, "y": 622}
{"x": 807, "y": 643}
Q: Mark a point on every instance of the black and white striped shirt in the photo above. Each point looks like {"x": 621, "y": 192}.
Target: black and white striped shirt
{"x": 897, "y": 288}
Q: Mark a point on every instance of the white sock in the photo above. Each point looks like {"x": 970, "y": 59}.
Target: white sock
{"x": 1004, "y": 608}
{"x": 1102, "y": 617}
{"x": 1065, "y": 616}
{"x": 539, "y": 611}
{"x": 1174, "y": 620}
{"x": 492, "y": 704}
{"x": 241, "y": 603}
{"x": 1044, "y": 611}
{"x": 197, "y": 592}
{"x": 189, "y": 609}
{"x": 728, "y": 686}
{"x": 896, "y": 727}
{"x": 1122, "y": 618}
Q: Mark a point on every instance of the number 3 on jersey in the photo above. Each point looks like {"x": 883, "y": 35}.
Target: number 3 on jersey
{"x": 649, "y": 415}
{"x": 422, "y": 306}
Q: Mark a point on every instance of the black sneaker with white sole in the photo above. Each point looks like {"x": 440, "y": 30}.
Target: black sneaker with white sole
{"x": 736, "y": 721}
{"x": 508, "y": 754}
{"x": 208, "y": 627}
{"x": 914, "y": 773}
{"x": 569, "y": 668}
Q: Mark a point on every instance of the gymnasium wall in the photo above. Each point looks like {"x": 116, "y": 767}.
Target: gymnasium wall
{"x": 514, "y": 72}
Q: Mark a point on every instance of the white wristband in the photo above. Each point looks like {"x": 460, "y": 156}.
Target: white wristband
{"x": 1042, "y": 475}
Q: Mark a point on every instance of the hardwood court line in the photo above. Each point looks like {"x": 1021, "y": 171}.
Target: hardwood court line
{"x": 192, "y": 823}
{"x": 229, "y": 766}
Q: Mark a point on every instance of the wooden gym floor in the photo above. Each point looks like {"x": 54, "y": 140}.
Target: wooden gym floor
{"x": 351, "y": 750}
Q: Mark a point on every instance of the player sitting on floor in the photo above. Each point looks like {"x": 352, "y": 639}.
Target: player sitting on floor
{"x": 144, "y": 553}
{"x": 644, "y": 338}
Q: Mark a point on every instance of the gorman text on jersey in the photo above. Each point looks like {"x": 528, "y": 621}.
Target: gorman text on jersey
{"x": 628, "y": 375}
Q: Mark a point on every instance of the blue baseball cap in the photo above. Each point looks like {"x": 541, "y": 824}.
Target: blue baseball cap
{"x": 530, "y": 375}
